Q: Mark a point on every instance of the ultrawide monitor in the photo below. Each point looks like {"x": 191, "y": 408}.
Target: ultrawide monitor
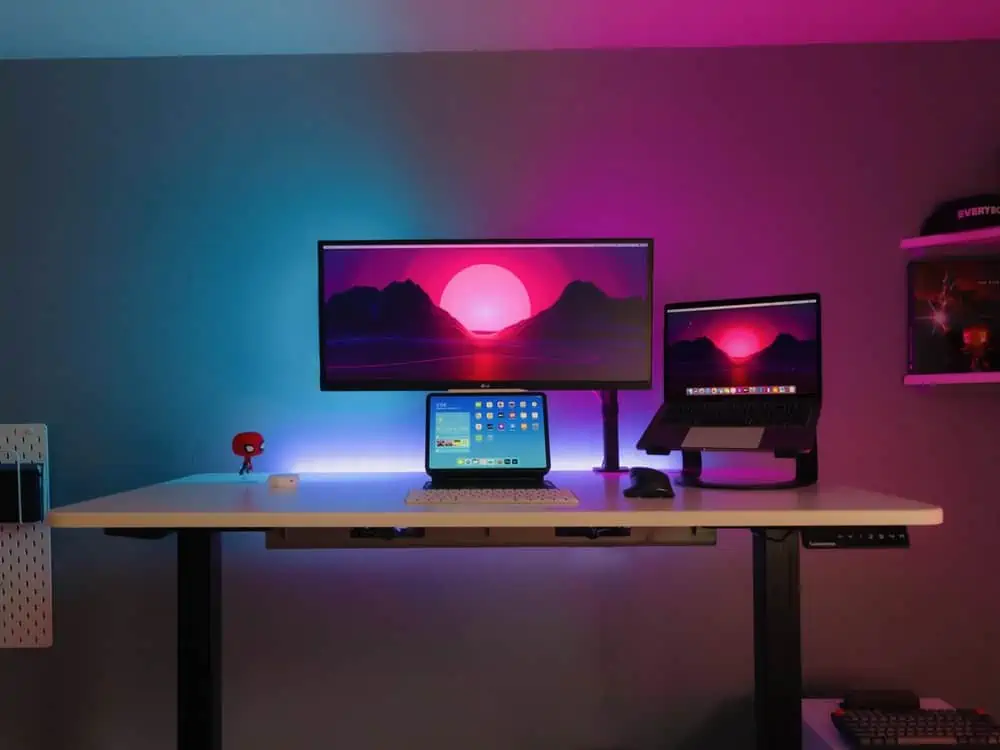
{"x": 435, "y": 315}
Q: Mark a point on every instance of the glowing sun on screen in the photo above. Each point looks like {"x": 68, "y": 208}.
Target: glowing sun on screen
{"x": 740, "y": 343}
{"x": 486, "y": 298}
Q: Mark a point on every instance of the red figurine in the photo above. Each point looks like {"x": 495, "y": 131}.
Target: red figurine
{"x": 248, "y": 445}
{"x": 976, "y": 342}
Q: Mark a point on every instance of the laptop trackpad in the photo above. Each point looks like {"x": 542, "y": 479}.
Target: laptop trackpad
{"x": 733, "y": 438}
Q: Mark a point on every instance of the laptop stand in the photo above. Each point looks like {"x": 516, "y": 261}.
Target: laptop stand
{"x": 806, "y": 472}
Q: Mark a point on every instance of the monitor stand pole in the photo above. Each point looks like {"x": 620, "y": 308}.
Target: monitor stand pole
{"x": 611, "y": 463}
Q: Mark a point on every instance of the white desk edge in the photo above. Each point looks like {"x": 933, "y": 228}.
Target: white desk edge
{"x": 344, "y": 501}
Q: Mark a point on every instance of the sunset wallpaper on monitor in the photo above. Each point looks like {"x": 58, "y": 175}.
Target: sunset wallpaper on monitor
{"x": 449, "y": 314}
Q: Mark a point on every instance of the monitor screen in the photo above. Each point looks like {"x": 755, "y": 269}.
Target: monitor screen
{"x": 954, "y": 315}
{"x": 743, "y": 348}
{"x": 438, "y": 315}
{"x": 487, "y": 431}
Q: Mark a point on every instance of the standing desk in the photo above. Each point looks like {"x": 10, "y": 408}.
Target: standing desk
{"x": 368, "y": 510}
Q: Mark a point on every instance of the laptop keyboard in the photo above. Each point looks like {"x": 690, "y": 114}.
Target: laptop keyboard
{"x": 732, "y": 413}
{"x": 492, "y": 496}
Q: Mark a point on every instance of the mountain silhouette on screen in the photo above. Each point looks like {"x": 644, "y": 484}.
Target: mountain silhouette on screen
{"x": 583, "y": 311}
{"x": 785, "y": 352}
{"x": 785, "y": 361}
{"x": 404, "y": 310}
{"x": 399, "y": 332}
{"x": 702, "y": 350}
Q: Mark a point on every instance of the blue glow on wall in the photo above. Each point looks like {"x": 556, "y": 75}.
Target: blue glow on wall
{"x": 121, "y": 29}
{"x": 164, "y": 218}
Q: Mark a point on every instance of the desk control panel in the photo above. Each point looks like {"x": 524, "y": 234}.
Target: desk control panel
{"x": 861, "y": 537}
{"x": 569, "y": 536}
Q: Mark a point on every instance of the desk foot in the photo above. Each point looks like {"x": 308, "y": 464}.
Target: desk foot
{"x": 777, "y": 640}
{"x": 199, "y": 637}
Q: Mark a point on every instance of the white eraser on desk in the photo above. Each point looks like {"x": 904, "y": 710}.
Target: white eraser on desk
{"x": 283, "y": 481}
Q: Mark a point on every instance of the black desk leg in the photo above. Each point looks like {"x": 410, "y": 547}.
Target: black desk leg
{"x": 199, "y": 637}
{"x": 777, "y": 640}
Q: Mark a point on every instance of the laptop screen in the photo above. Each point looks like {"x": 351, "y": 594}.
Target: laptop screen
{"x": 743, "y": 348}
{"x": 495, "y": 431}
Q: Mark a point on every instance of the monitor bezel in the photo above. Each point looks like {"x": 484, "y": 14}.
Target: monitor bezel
{"x": 487, "y": 474}
{"x": 801, "y": 297}
{"x": 444, "y": 385}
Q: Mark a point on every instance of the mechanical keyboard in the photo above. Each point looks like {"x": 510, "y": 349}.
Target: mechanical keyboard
{"x": 922, "y": 728}
{"x": 493, "y": 496}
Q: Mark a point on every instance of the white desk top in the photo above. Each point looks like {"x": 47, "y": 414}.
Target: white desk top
{"x": 353, "y": 500}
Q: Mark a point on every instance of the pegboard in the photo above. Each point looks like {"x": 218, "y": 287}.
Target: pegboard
{"x": 24, "y": 443}
{"x": 25, "y": 586}
{"x": 26, "y": 551}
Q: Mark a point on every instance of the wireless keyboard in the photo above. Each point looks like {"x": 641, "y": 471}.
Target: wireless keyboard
{"x": 922, "y": 728}
{"x": 506, "y": 496}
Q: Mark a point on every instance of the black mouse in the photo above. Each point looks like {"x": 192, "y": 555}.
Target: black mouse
{"x": 648, "y": 483}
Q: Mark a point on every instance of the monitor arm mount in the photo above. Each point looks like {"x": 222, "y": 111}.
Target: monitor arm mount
{"x": 611, "y": 460}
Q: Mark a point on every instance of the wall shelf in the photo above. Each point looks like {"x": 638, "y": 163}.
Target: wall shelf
{"x": 973, "y": 243}
{"x": 952, "y": 378}
{"x": 955, "y": 240}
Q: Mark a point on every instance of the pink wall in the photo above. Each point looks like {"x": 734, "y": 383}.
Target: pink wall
{"x": 757, "y": 171}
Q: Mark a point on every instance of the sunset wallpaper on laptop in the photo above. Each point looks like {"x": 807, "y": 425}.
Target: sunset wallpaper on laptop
{"x": 744, "y": 349}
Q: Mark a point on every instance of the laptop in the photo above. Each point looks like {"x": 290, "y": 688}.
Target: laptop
{"x": 739, "y": 374}
{"x": 487, "y": 440}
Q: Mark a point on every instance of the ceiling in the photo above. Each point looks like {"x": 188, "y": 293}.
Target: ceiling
{"x": 139, "y": 28}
